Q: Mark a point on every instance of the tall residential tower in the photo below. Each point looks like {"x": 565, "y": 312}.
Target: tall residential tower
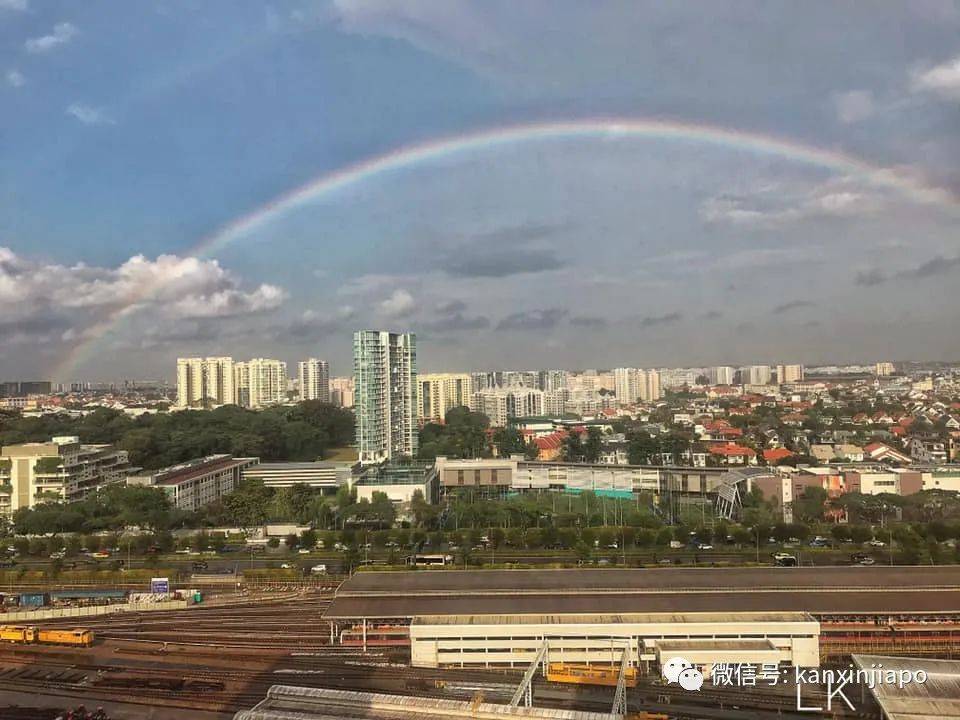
{"x": 315, "y": 380}
{"x": 385, "y": 394}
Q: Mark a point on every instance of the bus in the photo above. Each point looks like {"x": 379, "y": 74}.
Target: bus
{"x": 424, "y": 560}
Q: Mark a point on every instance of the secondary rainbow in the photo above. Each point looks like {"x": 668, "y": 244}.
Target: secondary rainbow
{"x": 410, "y": 156}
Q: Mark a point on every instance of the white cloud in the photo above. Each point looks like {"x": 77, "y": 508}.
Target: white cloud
{"x": 38, "y": 297}
{"x": 769, "y": 207}
{"x": 62, "y": 33}
{"x": 15, "y": 78}
{"x": 854, "y": 106}
{"x": 399, "y": 304}
{"x": 944, "y": 79}
{"x": 20, "y": 5}
{"x": 89, "y": 115}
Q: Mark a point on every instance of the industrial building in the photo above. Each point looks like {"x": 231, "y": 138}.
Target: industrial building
{"x": 501, "y": 618}
{"x": 514, "y": 640}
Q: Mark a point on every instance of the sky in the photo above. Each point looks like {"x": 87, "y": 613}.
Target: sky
{"x": 808, "y": 209}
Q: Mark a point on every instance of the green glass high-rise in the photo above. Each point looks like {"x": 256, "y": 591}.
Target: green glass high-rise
{"x": 385, "y": 395}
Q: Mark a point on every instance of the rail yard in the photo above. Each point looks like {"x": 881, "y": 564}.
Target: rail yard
{"x": 416, "y": 635}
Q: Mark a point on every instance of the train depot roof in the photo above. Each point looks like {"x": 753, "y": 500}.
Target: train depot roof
{"x": 824, "y": 590}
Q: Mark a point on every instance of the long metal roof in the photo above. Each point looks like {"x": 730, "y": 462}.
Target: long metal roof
{"x": 842, "y": 590}
{"x": 938, "y": 698}
{"x": 284, "y": 702}
{"x": 606, "y": 618}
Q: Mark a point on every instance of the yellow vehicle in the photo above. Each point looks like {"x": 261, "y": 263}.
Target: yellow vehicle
{"x": 18, "y": 634}
{"x": 576, "y": 674}
{"x": 77, "y": 637}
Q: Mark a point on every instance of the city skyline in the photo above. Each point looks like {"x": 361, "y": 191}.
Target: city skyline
{"x": 571, "y": 204}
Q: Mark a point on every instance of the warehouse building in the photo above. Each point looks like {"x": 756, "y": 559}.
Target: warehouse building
{"x": 501, "y": 618}
{"x": 514, "y": 640}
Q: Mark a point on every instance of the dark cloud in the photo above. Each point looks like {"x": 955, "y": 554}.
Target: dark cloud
{"x": 34, "y": 326}
{"x": 311, "y": 326}
{"x": 790, "y": 306}
{"x": 451, "y": 307}
{"x": 655, "y": 320}
{"x": 938, "y": 265}
{"x": 588, "y": 321}
{"x": 870, "y": 278}
{"x": 455, "y": 322}
{"x": 504, "y": 252}
{"x": 533, "y": 320}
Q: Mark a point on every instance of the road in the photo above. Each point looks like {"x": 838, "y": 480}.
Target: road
{"x": 334, "y": 561}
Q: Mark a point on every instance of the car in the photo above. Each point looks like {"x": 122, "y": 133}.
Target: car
{"x": 59, "y": 555}
{"x": 7, "y": 564}
{"x": 101, "y": 554}
{"x": 612, "y": 546}
{"x": 704, "y": 546}
{"x": 319, "y": 570}
{"x": 199, "y": 565}
{"x": 781, "y": 559}
{"x": 304, "y": 551}
{"x": 392, "y": 544}
{"x": 665, "y": 561}
{"x": 876, "y": 543}
{"x": 183, "y": 551}
{"x": 867, "y": 561}
{"x": 287, "y": 566}
{"x": 339, "y": 546}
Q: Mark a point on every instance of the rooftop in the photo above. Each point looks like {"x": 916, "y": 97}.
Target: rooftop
{"x": 608, "y": 618}
{"x": 284, "y": 702}
{"x": 654, "y": 590}
{"x": 937, "y": 698}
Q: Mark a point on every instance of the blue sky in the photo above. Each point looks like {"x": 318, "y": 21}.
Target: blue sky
{"x": 130, "y": 131}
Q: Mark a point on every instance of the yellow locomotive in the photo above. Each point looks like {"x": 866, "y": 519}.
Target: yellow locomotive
{"x": 30, "y": 635}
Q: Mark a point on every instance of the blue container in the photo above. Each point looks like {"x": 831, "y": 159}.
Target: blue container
{"x": 34, "y": 599}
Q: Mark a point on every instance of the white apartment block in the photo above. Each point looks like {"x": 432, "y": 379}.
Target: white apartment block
{"x": 60, "y": 470}
{"x": 341, "y": 391}
{"x": 626, "y": 385}
{"x": 261, "y": 382}
{"x": 314, "y": 378}
{"x": 502, "y": 404}
{"x": 385, "y": 394}
{"x": 633, "y": 384}
{"x": 554, "y": 402}
{"x": 756, "y": 375}
{"x": 883, "y": 369}
{"x": 441, "y": 392}
{"x": 721, "y": 375}
{"x": 789, "y": 374}
{"x": 206, "y": 382}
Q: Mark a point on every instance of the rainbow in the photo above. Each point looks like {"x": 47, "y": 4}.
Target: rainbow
{"x": 409, "y": 156}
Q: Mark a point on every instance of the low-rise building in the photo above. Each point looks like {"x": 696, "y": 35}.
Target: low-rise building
{"x": 196, "y": 483}
{"x": 328, "y": 476}
{"x": 397, "y": 482}
{"x": 63, "y": 469}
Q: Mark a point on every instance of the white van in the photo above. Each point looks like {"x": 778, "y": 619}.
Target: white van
{"x": 319, "y": 570}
